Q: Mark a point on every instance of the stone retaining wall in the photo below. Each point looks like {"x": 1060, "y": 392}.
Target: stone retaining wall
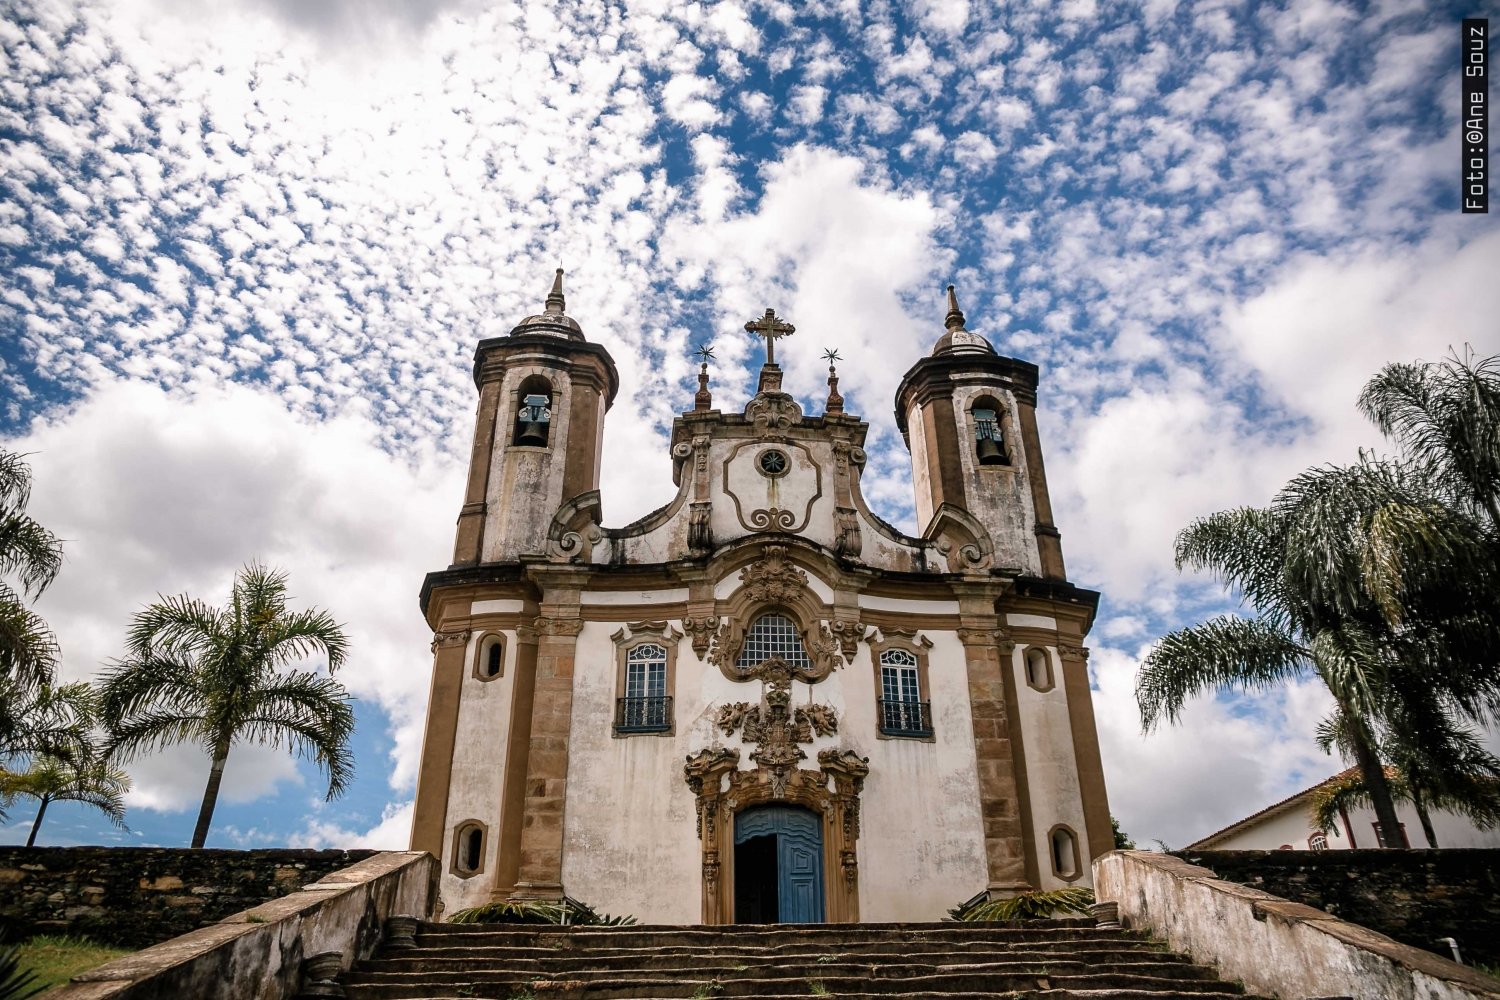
{"x": 1275, "y": 946}
{"x": 137, "y": 896}
{"x": 1416, "y": 897}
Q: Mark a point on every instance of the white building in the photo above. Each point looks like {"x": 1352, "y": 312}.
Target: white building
{"x": 1288, "y": 826}
{"x": 760, "y": 702}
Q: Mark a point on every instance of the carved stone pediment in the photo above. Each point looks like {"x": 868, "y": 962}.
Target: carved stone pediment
{"x": 773, "y": 414}
{"x": 773, "y": 579}
{"x": 775, "y": 727}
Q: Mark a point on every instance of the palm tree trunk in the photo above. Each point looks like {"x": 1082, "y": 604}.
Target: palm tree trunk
{"x": 1421, "y": 807}
{"x": 36, "y": 824}
{"x": 211, "y": 793}
{"x": 1380, "y": 790}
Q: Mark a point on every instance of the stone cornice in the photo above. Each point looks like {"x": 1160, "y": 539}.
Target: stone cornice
{"x": 935, "y": 376}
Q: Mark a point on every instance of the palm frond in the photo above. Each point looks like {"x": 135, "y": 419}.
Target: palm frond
{"x": 28, "y": 552}
{"x": 293, "y": 637}
{"x": 309, "y": 713}
{"x": 29, "y": 653}
{"x": 1249, "y": 654}
{"x": 1037, "y": 904}
{"x": 150, "y": 731}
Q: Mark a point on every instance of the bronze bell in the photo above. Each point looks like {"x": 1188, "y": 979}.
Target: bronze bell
{"x": 532, "y": 421}
{"x": 990, "y": 452}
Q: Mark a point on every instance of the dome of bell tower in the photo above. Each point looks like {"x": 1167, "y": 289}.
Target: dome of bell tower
{"x": 552, "y": 320}
{"x": 958, "y": 340}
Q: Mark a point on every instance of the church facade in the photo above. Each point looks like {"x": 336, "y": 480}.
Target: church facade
{"x": 760, "y": 702}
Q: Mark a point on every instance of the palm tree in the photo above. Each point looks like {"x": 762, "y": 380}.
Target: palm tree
{"x": 216, "y": 676}
{"x": 1445, "y": 414}
{"x": 94, "y": 782}
{"x": 1462, "y": 777}
{"x": 30, "y": 557}
{"x": 1308, "y": 565}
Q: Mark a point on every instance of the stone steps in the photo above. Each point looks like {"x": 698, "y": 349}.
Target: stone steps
{"x": 1057, "y": 960}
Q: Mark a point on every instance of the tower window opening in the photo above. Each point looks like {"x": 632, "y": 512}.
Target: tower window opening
{"x": 1065, "y": 862}
{"x": 534, "y": 414}
{"x": 491, "y": 660}
{"x": 468, "y": 849}
{"x": 1038, "y": 669}
{"x": 989, "y": 434}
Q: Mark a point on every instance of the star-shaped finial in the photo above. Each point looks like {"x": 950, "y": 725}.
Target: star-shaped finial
{"x": 705, "y": 353}
{"x": 831, "y": 355}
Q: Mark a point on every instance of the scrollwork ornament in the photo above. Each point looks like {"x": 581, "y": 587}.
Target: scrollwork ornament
{"x": 1073, "y": 652}
{"x": 773, "y": 579}
{"x": 447, "y": 640}
{"x": 848, "y": 634}
{"x": 558, "y": 626}
{"x": 701, "y": 629}
{"x": 773, "y": 519}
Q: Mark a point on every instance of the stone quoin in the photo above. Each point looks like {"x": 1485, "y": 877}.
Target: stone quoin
{"x": 760, "y": 702}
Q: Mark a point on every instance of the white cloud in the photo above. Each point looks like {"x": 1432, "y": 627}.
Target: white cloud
{"x": 392, "y": 833}
{"x": 169, "y": 494}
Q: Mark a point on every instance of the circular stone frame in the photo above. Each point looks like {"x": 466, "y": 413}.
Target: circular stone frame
{"x": 773, "y": 463}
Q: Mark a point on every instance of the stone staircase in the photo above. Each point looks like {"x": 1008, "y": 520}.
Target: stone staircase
{"x": 1054, "y": 959}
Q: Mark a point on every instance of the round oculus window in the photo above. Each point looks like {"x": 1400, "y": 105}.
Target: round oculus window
{"x": 773, "y": 462}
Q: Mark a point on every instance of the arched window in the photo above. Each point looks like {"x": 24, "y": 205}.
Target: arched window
{"x": 533, "y": 413}
{"x": 489, "y": 662}
{"x": 989, "y": 432}
{"x": 646, "y": 707}
{"x": 1038, "y": 669}
{"x": 468, "y": 849}
{"x": 773, "y": 634}
{"x": 1317, "y": 842}
{"x": 1066, "y": 864}
{"x": 903, "y": 711}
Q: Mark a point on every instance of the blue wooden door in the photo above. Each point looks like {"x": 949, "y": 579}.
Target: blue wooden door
{"x": 799, "y": 858}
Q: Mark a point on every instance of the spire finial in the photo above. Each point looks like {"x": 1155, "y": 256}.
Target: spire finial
{"x": 955, "y": 318}
{"x": 703, "y": 399}
{"x": 555, "y": 302}
{"x": 835, "y": 401}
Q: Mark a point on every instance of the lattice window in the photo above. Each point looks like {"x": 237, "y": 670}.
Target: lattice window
{"x": 1317, "y": 842}
{"x": 646, "y": 671}
{"x": 773, "y": 635}
{"x": 898, "y": 676}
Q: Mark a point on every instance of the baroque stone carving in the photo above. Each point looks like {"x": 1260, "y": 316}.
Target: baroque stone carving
{"x": 701, "y": 629}
{"x": 557, "y": 626}
{"x": 847, "y": 540}
{"x": 773, "y": 579}
{"x": 848, "y": 634}
{"x": 1073, "y": 652}
{"x": 773, "y": 414}
{"x": 773, "y": 519}
{"x": 700, "y": 526}
{"x": 447, "y": 640}
{"x": 775, "y": 727}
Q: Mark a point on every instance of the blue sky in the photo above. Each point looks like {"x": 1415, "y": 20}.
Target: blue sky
{"x": 246, "y": 251}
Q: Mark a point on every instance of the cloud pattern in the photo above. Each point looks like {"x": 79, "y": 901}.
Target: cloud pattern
{"x": 252, "y": 244}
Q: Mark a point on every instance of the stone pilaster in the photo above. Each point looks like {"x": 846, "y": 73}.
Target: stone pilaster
{"x": 469, "y": 540}
{"x": 557, "y": 629}
{"x": 997, "y": 757}
{"x": 435, "y": 774}
{"x": 1086, "y": 755}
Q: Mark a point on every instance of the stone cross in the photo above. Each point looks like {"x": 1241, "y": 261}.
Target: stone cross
{"x": 769, "y": 327}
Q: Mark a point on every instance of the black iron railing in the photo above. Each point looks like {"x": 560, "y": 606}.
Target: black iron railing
{"x": 905, "y": 718}
{"x": 643, "y": 715}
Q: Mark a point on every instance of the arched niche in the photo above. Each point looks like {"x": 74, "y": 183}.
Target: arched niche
{"x": 773, "y": 584}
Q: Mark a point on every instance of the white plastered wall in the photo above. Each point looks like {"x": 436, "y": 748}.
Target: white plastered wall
{"x": 525, "y": 483}
{"x": 479, "y": 750}
{"x": 999, "y": 496}
{"x": 1051, "y": 768}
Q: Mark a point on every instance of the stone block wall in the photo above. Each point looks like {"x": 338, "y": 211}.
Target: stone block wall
{"x": 1414, "y": 896}
{"x": 137, "y": 896}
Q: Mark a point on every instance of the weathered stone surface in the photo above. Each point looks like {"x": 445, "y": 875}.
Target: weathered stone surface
{"x": 257, "y": 954}
{"x": 137, "y": 896}
{"x": 1274, "y": 945}
{"x": 1416, "y": 897}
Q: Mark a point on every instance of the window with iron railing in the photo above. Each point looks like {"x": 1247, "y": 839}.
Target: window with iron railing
{"x": 901, "y": 708}
{"x": 646, "y": 707}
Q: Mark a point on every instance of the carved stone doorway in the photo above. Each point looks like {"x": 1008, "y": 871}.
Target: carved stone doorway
{"x": 778, "y": 866}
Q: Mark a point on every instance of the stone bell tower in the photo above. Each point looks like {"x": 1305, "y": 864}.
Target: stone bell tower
{"x": 969, "y": 418}
{"x": 538, "y": 434}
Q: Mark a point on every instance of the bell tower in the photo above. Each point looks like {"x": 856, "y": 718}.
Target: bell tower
{"x": 969, "y": 419}
{"x": 538, "y": 433}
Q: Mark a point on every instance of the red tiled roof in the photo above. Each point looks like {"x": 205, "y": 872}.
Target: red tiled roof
{"x": 1273, "y": 809}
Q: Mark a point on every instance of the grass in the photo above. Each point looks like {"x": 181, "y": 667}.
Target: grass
{"x": 54, "y": 959}
{"x": 707, "y": 990}
{"x": 817, "y": 987}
